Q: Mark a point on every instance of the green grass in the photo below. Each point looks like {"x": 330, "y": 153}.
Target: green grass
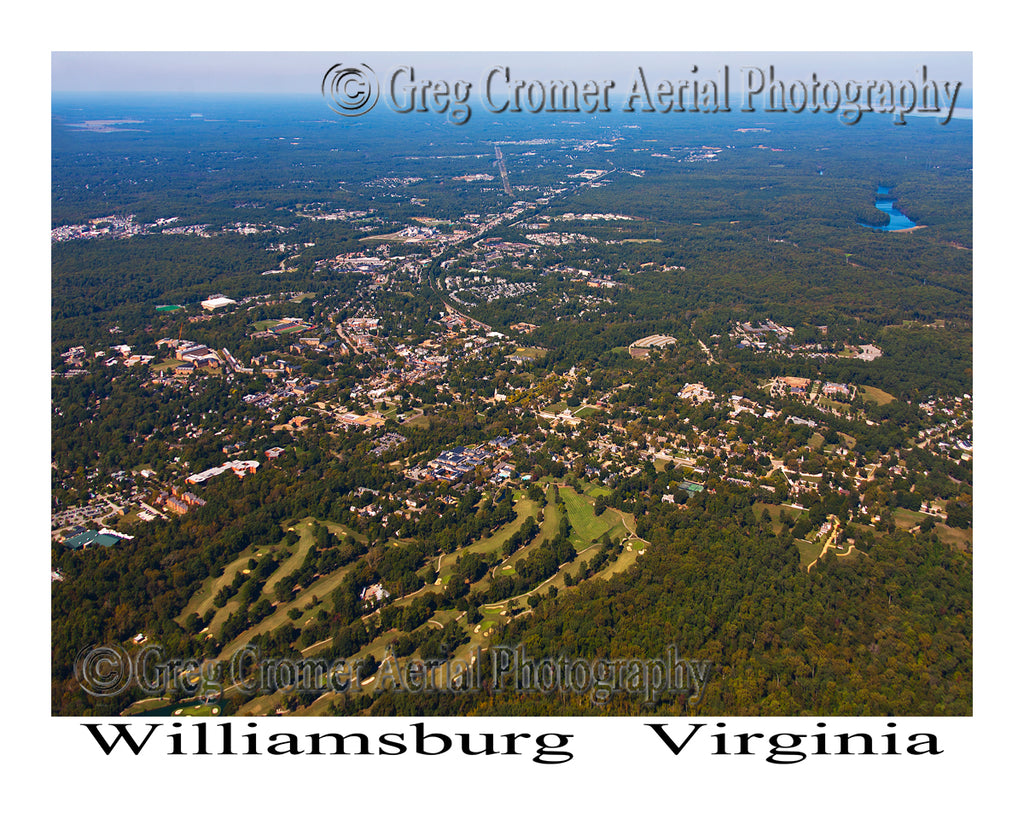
{"x": 774, "y": 509}
{"x": 957, "y": 538}
{"x": 292, "y": 563}
{"x": 524, "y": 508}
{"x": 320, "y": 588}
{"x": 808, "y": 552}
{"x": 625, "y": 559}
{"x": 586, "y": 526}
{"x": 202, "y": 600}
{"x": 836, "y": 405}
{"x": 906, "y": 519}
{"x": 880, "y": 397}
{"x": 197, "y": 711}
{"x": 419, "y": 422}
{"x": 548, "y": 530}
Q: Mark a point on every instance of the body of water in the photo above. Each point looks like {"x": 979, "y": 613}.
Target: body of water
{"x": 897, "y": 219}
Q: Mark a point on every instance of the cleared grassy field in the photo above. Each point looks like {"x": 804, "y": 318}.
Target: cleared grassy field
{"x": 304, "y": 529}
{"x": 907, "y": 519}
{"x": 880, "y": 397}
{"x": 524, "y": 508}
{"x": 808, "y": 552}
{"x": 774, "y": 509}
{"x": 321, "y": 589}
{"x": 626, "y": 559}
{"x": 202, "y": 600}
{"x": 957, "y": 538}
{"x": 418, "y": 422}
{"x": 586, "y": 526}
{"x": 163, "y": 364}
{"x": 836, "y": 405}
{"x": 548, "y": 530}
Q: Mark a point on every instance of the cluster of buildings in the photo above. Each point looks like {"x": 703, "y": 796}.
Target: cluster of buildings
{"x": 757, "y": 336}
{"x": 240, "y": 468}
{"x": 789, "y": 386}
{"x": 123, "y": 354}
{"x": 500, "y": 289}
{"x": 642, "y": 347}
{"x": 178, "y": 501}
{"x": 118, "y": 227}
{"x": 697, "y": 393}
{"x": 387, "y": 441}
{"x": 454, "y": 465}
{"x": 558, "y": 239}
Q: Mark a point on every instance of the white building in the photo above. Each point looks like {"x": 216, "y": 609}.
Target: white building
{"x": 219, "y": 300}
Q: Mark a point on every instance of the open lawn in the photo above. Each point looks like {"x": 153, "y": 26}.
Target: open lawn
{"x": 548, "y": 530}
{"x": 623, "y": 525}
{"x": 163, "y": 364}
{"x": 586, "y": 526}
{"x": 836, "y": 405}
{"x": 321, "y": 588}
{"x": 808, "y": 552}
{"x": 304, "y": 529}
{"x": 524, "y": 508}
{"x": 774, "y": 509}
{"x": 202, "y": 600}
{"x": 417, "y": 422}
{"x": 961, "y": 539}
{"x": 624, "y": 561}
{"x": 196, "y": 711}
{"x": 880, "y": 397}
{"x": 907, "y": 519}
{"x": 341, "y": 530}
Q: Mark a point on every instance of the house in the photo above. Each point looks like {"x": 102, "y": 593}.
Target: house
{"x": 376, "y": 592}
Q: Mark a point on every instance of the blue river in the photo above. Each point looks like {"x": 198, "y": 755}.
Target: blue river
{"x": 897, "y": 219}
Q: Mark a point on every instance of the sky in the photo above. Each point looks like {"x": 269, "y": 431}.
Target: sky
{"x": 154, "y": 72}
